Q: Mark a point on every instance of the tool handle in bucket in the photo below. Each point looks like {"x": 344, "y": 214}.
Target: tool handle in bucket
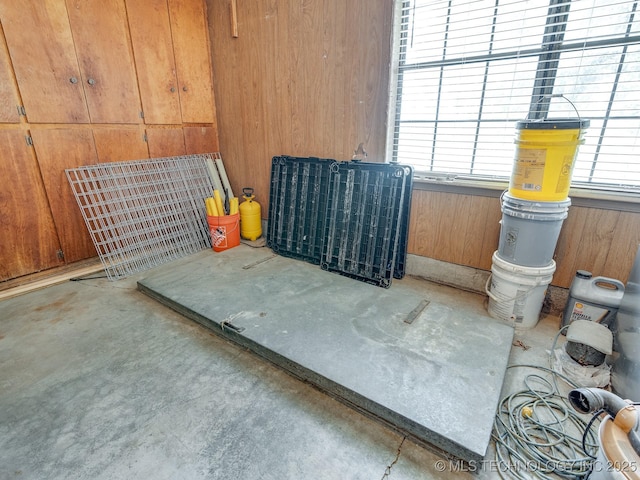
{"x": 517, "y": 297}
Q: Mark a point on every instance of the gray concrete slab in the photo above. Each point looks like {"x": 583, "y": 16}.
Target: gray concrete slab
{"x": 437, "y": 379}
{"x": 99, "y": 382}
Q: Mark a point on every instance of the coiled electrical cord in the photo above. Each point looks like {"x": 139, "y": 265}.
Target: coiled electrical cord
{"x": 537, "y": 433}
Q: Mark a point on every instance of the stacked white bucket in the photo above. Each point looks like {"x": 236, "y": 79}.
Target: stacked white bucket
{"x": 533, "y": 211}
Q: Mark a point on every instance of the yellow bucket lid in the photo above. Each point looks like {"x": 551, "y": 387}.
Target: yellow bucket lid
{"x": 553, "y": 124}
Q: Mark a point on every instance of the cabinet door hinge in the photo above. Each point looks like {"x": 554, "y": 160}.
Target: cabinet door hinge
{"x": 60, "y": 254}
{"x": 141, "y": 114}
{"x": 21, "y": 111}
{"x": 145, "y": 138}
{"x": 29, "y": 140}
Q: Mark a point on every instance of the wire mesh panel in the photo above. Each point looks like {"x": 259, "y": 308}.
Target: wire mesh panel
{"x": 297, "y": 207}
{"x": 365, "y": 220}
{"x": 141, "y": 214}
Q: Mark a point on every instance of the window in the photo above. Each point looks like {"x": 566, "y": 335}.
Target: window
{"x": 468, "y": 71}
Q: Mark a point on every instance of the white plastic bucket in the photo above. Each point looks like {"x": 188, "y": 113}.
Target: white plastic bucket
{"x": 529, "y": 230}
{"x": 516, "y": 293}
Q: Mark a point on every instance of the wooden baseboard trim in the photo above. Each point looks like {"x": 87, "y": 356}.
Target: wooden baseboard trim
{"x": 53, "y": 279}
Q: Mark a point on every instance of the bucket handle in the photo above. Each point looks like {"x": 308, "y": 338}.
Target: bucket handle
{"x": 517, "y": 297}
{"x": 557, "y": 95}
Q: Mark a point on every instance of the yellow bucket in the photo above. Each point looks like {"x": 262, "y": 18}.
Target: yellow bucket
{"x": 545, "y": 155}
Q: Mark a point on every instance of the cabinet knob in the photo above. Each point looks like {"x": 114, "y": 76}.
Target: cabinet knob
{"x": 173, "y": 89}
{"x": 184, "y": 89}
{"x": 73, "y": 80}
{"x": 91, "y": 81}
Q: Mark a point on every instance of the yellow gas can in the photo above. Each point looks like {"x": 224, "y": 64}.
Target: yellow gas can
{"x": 250, "y": 220}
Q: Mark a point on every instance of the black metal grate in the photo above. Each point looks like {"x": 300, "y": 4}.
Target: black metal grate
{"x": 351, "y": 218}
{"x": 297, "y": 207}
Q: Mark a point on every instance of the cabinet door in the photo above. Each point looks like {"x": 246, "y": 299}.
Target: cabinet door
{"x": 165, "y": 142}
{"x": 100, "y": 32}
{"x": 44, "y": 60}
{"x": 191, "y": 49}
{"x": 8, "y": 98}
{"x": 153, "y": 51}
{"x": 56, "y": 150}
{"x": 120, "y": 144}
{"x": 29, "y": 240}
{"x": 201, "y": 140}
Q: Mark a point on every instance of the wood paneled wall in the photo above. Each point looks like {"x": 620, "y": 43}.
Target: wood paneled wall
{"x": 303, "y": 78}
{"x": 464, "y": 229}
{"x": 310, "y": 78}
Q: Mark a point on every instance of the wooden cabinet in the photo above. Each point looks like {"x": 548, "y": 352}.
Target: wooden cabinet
{"x": 29, "y": 239}
{"x": 191, "y": 48}
{"x": 58, "y": 149}
{"x": 165, "y": 142}
{"x": 171, "y": 47}
{"x": 153, "y": 50}
{"x": 44, "y": 59}
{"x": 8, "y": 99}
{"x": 101, "y": 37}
{"x": 72, "y": 61}
{"x": 200, "y": 140}
{"x": 120, "y": 144}
{"x": 82, "y": 70}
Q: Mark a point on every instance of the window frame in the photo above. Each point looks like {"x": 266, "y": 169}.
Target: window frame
{"x": 610, "y": 197}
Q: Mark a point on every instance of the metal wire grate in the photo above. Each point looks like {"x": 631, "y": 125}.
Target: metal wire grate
{"x": 298, "y": 206}
{"x": 348, "y": 217}
{"x": 141, "y": 214}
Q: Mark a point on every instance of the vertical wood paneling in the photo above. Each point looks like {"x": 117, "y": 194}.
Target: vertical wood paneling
{"x": 479, "y": 234}
{"x": 105, "y": 57}
{"x": 307, "y": 78}
{"x": 596, "y": 239}
{"x": 568, "y": 244}
{"x": 120, "y": 144}
{"x": 461, "y": 229}
{"x": 8, "y": 97}
{"x": 200, "y": 140}
{"x": 190, "y": 40}
{"x": 165, "y": 142}
{"x": 465, "y": 230}
{"x": 29, "y": 239}
{"x": 626, "y": 238}
{"x": 41, "y": 46}
{"x": 153, "y": 50}
{"x": 58, "y": 149}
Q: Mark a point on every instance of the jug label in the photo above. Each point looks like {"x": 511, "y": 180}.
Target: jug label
{"x": 583, "y": 311}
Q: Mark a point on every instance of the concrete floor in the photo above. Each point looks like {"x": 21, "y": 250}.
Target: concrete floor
{"x": 98, "y": 381}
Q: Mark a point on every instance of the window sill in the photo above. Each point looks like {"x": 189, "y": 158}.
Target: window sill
{"x": 582, "y": 197}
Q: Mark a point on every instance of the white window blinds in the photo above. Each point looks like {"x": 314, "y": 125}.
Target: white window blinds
{"x": 469, "y": 70}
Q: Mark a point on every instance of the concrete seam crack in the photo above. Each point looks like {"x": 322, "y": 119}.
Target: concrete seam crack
{"x": 387, "y": 471}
